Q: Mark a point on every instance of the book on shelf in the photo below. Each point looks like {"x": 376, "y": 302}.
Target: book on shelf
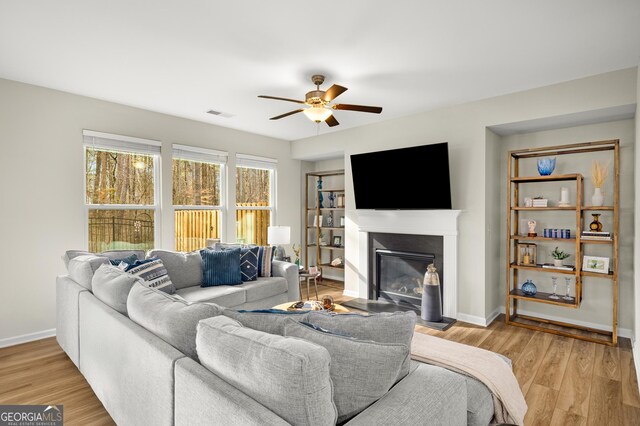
{"x": 563, "y": 267}
{"x": 599, "y": 233}
{"x": 539, "y": 202}
{"x": 595, "y": 238}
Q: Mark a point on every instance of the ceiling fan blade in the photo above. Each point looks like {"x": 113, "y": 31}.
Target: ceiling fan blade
{"x": 278, "y": 117}
{"x": 361, "y": 108}
{"x": 281, "y": 99}
{"x": 333, "y": 92}
{"x": 331, "y": 121}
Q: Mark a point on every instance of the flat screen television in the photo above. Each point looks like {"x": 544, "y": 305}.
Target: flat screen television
{"x": 415, "y": 178}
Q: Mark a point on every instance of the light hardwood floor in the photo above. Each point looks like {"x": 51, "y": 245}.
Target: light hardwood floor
{"x": 565, "y": 381}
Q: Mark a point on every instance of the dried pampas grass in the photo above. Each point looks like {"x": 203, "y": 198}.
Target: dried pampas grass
{"x": 599, "y": 173}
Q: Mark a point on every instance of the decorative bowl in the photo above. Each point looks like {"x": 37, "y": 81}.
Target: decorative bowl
{"x": 546, "y": 166}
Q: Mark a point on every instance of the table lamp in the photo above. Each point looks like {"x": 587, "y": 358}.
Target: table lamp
{"x": 277, "y": 235}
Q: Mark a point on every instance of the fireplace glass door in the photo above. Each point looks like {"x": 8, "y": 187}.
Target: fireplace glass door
{"x": 400, "y": 275}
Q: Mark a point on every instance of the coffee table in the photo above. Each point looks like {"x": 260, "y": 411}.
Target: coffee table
{"x": 337, "y": 308}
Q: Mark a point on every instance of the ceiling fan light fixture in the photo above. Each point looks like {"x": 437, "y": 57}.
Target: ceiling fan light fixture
{"x": 317, "y": 113}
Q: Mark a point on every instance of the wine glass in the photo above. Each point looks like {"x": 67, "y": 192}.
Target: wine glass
{"x": 555, "y": 288}
{"x": 567, "y": 281}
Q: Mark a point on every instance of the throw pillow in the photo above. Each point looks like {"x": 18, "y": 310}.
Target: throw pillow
{"x": 361, "y": 371}
{"x": 249, "y": 263}
{"x": 396, "y": 327}
{"x": 220, "y": 267}
{"x": 270, "y": 321}
{"x": 112, "y": 285}
{"x": 168, "y": 317}
{"x": 129, "y": 260}
{"x": 265, "y": 257}
{"x": 288, "y": 376}
{"x": 154, "y": 274}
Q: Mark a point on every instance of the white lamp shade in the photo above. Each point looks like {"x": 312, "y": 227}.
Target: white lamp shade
{"x": 317, "y": 114}
{"x": 278, "y": 235}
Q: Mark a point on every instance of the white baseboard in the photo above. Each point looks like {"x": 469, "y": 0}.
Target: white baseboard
{"x": 622, "y": 332}
{"x": 25, "y": 338}
{"x": 350, "y": 293}
{"x": 636, "y": 358}
{"x": 472, "y": 319}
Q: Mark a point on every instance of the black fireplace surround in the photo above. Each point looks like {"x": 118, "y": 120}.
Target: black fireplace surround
{"x": 398, "y": 263}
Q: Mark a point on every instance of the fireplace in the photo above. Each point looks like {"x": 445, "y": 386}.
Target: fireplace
{"x": 399, "y": 276}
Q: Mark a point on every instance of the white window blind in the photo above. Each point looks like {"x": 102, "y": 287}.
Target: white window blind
{"x": 191, "y": 153}
{"x": 255, "y": 162}
{"x": 108, "y": 141}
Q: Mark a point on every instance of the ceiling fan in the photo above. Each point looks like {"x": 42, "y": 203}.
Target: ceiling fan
{"x": 319, "y": 103}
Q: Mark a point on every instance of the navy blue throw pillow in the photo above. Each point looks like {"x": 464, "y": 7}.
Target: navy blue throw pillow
{"x": 220, "y": 267}
{"x": 129, "y": 260}
{"x": 249, "y": 263}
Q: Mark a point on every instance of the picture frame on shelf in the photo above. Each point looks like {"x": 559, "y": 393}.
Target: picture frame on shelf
{"x": 340, "y": 201}
{"x": 595, "y": 264}
{"x": 337, "y": 241}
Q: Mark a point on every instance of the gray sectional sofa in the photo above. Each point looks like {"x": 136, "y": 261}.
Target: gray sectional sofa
{"x": 142, "y": 363}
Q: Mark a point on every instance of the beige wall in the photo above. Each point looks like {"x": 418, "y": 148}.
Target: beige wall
{"x": 464, "y": 127}
{"x": 41, "y": 186}
{"x": 597, "y": 295}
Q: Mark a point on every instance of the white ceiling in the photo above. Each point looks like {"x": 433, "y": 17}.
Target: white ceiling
{"x": 186, "y": 57}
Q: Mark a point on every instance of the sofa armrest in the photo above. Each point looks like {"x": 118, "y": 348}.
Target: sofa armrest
{"x": 429, "y": 394}
{"x": 288, "y": 271}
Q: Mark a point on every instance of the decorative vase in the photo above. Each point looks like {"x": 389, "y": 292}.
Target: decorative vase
{"x": 529, "y": 288}
{"x": 557, "y": 262}
{"x": 431, "y": 296}
{"x": 596, "y": 225}
{"x": 546, "y": 166}
{"x": 597, "y": 199}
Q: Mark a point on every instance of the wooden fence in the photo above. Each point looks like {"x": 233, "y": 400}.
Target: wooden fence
{"x": 194, "y": 227}
{"x": 251, "y": 225}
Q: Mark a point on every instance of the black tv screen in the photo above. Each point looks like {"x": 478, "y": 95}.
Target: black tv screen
{"x": 415, "y": 178}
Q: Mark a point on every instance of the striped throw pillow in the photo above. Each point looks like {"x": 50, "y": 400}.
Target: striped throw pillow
{"x": 154, "y": 274}
{"x": 220, "y": 267}
{"x": 265, "y": 256}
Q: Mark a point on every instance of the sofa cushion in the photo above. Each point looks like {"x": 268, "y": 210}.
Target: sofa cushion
{"x": 109, "y": 254}
{"x": 479, "y": 403}
{"x": 169, "y": 318}
{"x": 184, "y": 269}
{"x": 396, "y": 327}
{"x": 265, "y": 257}
{"x": 112, "y": 286}
{"x": 153, "y": 273}
{"x": 288, "y": 376}
{"x": 264, "y": 288}
{"x": 270, "y": 321}
{"x": 220, "y": 267}
{"x": 81, "y": 268}
{"x": 223, "y": 295}
{"x": 361, "y": 371}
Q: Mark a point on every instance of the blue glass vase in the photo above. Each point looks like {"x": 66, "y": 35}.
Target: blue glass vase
{"x": 546, "y": 166}
{"x": 529, "y": 288}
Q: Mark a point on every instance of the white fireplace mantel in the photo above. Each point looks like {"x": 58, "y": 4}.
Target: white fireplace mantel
{"x": 417, "y": 222}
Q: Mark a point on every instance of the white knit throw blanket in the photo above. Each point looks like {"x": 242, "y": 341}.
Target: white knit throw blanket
{"x": 508, "y": 402}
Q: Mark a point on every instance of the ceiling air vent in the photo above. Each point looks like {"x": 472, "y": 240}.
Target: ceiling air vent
{"x": 219, "y": 113}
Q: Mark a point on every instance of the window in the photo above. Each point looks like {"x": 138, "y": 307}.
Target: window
{"x": 198, "y": 175}
{"x": 255, "y": 177}
{"x": 121, "y": 178}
